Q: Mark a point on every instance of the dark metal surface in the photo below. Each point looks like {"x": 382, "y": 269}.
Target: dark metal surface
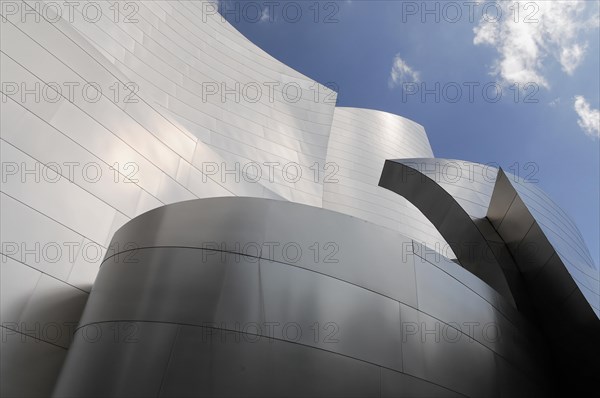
{"x": 550, "y": 275}
{"x": 565, "y": 315}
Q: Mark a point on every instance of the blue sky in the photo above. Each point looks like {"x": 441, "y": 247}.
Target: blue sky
{"x": 375, "y": 51}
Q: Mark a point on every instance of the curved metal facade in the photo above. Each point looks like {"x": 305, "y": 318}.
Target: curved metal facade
{"x": 359, "y": 143}
{"x": 563, "y": 236}
{"x": 472, "y": 186}
{"x": 177, "y": 118}
{"x": 229, "y": 310}
{"x": 105, "y": 121}
{"x": 510, "y": 250}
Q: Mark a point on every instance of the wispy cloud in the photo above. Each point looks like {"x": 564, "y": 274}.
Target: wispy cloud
{"x": 589, "y": 119}
{"x": 537, "y": 32}
{"x": 265, "y": 14}
{"x": 401, "y": 73}
{"x": 554, "y": 102}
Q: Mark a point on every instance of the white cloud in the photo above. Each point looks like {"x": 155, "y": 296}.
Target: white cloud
{"x": 570, "y": 58}
{"x": 589, "y": 119}
{"x": 401, "y": 73}
{"x": 554, "y": 102}
{"x": 537, "y": 32}
{"x": 265, "y": 14}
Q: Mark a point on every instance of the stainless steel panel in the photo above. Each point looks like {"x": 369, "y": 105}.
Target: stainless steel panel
{"x": 52, "y": 311}
{"x": 28, "y": 367}
{"x": 433, "y": 351}
{"x": 459, "y": 303}
{"x": 330, "y": 248}
{"x": 533, "y": 251}
{"x": 242, "y": 309}
{"x": 343, "y": 247}
{"x": 168, "y": 54}
{"x": 464, "y": 310}
{"x": 86, "y": 266}
{"x": 512, "y": 335}
{"x": 61, "y": 200}
{"x": 18, "y": 283}
{"x": 551, "y": 280}
{"x": 516, "y": 224}
{"x": 234, "y": 364}
{"x": 35, "y": 137}
{"x": 38, "y": 241}
{"x": 396, "y": 384}
{"x": 512, "y": 383}
{"x": 349, "y": 320}
{"x": 502, "y": 198}
{"x": 235, "y": 227}
{"x": 449, "y": 217}
{"x": 359, "y": 142}
{"x": 177, "y": 285}
{"x": 126, "y": 359}
{"x": 555, "y": 278}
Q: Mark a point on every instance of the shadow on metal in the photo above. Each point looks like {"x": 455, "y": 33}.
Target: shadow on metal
{"x": 525, "y": 265}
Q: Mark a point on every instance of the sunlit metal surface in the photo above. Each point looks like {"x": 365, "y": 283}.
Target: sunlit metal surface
{"x": 359, "y": 143}
{"x": 178, "y": 118}
{"x": 227, "y": 317}
{"x": 77, "y": 169}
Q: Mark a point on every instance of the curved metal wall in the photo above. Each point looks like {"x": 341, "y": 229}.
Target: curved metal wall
{"x": 472, "y": 185}
{"x": 514, "y": 247}
{"x": 359, "y": 143}
{"x": 209, "y": 290}
{"x": 82, "y": 154}
{"x": 565, "y": 238}
{"x": 77, "y": 165}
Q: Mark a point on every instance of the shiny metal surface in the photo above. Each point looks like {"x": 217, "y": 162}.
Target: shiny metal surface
{"x": 224, "y": 291}
{"x": 395, "y": 384}
{"x": 166, "y": 142}
{"x": 169, "y": 134}
{"x": 152, "y": 341}
{"x": 522, "y": 208}
{"x": 322, "y": 250}
{"x": 24, "y": 359}
{"x": 550, "y": 275}
{"x": 449, "y": 217}
{"x": 566, "y": 315}
{"x": 172, "y": 145}
{"x": 538, "y": 251}
{"x": 451, "y": 363}
{"x": 359, "y": 143}
{"x": 350, "y": 315}
{"x": 242, "y": 318}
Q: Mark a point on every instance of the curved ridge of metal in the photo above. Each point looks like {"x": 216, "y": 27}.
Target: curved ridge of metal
{"x": 563, "y": 309}
{"x": 471, "y": 247}
{"x": 545, "y": 286}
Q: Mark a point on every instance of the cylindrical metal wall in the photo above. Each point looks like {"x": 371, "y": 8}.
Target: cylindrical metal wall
{"x": 241, "y": 296}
